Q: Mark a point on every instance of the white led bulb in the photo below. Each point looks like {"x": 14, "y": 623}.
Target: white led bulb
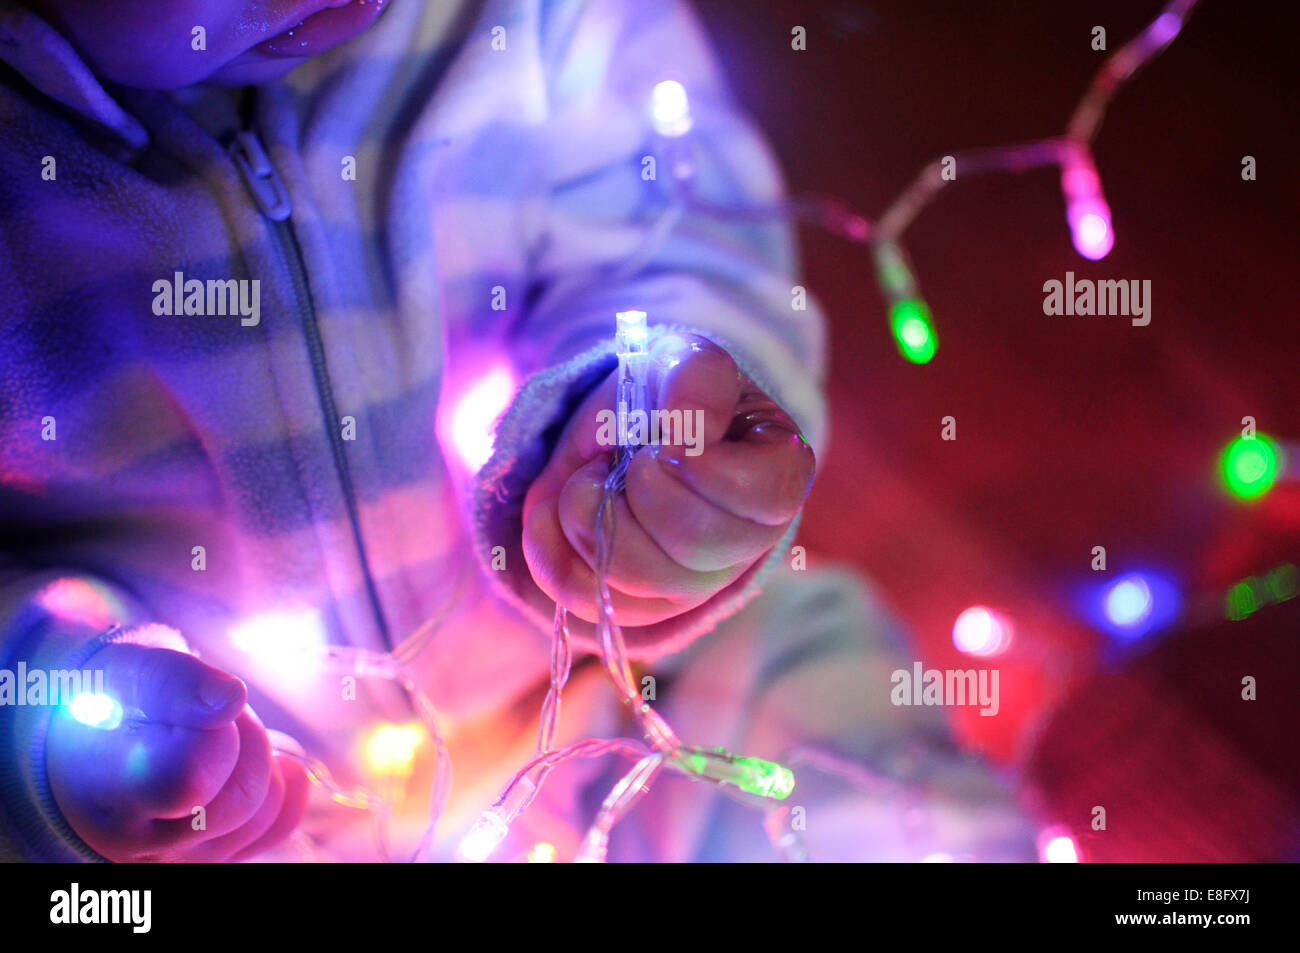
{"x": 631, "y": 344}
{"x": 95, "y": 710}
{"x": 493, "y": 824}
{"x": 484, "y": 837}
{"x": 670, "y": 109}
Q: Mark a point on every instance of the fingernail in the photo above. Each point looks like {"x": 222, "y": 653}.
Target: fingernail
{"x": 773, "y": 431}
{"x": 217, "y": 693}
{"x": 668, "y": 455}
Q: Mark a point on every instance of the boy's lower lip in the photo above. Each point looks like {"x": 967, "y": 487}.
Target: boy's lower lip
{"x": 323, "y": 30}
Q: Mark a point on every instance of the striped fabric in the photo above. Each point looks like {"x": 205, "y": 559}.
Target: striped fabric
{"x": 308, "y": 453}
{"x": 475, "y": 169}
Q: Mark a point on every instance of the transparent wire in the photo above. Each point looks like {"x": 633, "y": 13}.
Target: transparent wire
{"x": 665, "y": 748}
{"x": 622, "y": 797}
{"x": 1074, "y": 144}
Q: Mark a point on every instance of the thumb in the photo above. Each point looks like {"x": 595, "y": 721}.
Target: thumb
{"x": 694, "y": 376}
{"x": 169, "y": 687}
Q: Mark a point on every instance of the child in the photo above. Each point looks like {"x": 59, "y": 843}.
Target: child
{"x": 251, "y": 248}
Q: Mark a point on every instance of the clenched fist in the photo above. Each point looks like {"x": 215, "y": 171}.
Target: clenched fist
{"x": 695, "y": 516}
{"x": 131, "y": 792}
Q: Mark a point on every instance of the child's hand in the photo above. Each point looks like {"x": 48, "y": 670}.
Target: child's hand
{"x": 690, "y": 523}
{"x": 131, "y": 792}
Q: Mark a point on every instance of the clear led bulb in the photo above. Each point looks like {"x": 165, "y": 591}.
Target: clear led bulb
{"x": 631, "y": 343}
{"x": 492, "y": 826}
{"x": 670, "y": 109}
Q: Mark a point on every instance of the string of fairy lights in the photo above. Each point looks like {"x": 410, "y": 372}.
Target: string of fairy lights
{"x": 1089, "y": 220}
{"x": 758, "y": 783}
{"x": 1086, "y": 210}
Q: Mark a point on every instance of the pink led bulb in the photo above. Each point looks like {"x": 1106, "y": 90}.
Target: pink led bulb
{"x": 1056, "y": 845}
{"x": 1090, "y": 229}
{"x": 980, "y": 630}
{"x": 1086, "y": 210}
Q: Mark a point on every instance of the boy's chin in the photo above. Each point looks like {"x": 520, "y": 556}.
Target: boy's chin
{"x": 252, "y": 69}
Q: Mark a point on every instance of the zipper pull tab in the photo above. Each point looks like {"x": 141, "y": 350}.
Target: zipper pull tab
{"x": 260, "y": 177}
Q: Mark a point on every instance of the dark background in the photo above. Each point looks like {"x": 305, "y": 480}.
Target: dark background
{"x": 1072, "y": 432}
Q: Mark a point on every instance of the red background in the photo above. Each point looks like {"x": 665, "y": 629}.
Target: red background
{"x": 1072, "y": 432}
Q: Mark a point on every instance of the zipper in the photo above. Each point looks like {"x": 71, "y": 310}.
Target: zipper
{"x": 268, "y": 190}
{"x": 260, "y": 177}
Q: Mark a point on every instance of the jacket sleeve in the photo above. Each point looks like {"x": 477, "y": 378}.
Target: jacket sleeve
{"x": 49, "y": 622}
{"x": 615, "y": 238}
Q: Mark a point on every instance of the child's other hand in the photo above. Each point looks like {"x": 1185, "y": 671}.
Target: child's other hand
{"x": 691, "y": 523}
{"x": 131, "y": 792}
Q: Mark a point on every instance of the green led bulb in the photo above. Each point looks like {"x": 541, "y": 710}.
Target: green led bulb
{"x": 1250, "y": 466}
{"x": 766, "y": 778}
{"x": 751, "y": 775}
{"x": 1242, "y": 601}
{"x": 913, "y": 331}
{"x": 1284, "y": 582}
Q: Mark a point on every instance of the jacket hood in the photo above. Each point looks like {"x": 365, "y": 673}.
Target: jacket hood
{"x": 43, "y": 57}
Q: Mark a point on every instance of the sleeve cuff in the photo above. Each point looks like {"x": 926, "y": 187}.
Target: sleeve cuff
{"x": 52, "y": 630}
